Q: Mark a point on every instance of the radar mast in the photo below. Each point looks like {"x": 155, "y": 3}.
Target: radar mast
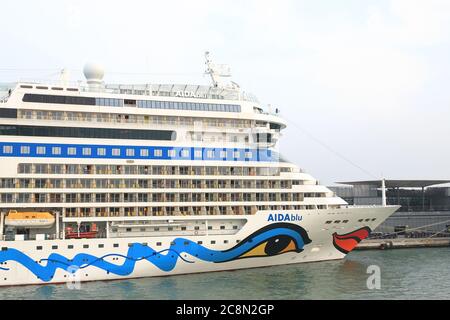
{"x": 217, "y": 72}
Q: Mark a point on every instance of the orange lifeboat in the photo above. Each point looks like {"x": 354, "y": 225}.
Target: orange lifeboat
{"x": 29, "y": 219}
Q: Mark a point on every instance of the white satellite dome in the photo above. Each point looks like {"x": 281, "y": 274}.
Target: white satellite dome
{"x": 94, "y": 73}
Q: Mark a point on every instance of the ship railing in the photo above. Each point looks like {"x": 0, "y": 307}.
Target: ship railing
{"x": 158, "y": 90}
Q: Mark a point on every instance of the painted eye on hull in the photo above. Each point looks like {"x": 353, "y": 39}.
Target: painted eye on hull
{"x": 272, "y": 247}
{"x": 271, "y": 240}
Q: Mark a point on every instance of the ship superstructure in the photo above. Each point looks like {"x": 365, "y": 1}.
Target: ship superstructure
{"x": 105, "y": 181}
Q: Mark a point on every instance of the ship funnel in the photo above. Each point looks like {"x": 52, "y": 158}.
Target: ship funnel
{"x": 94, "y": 74}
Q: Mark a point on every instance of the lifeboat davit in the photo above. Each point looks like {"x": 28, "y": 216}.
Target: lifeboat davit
{"x": 29, "y": 219}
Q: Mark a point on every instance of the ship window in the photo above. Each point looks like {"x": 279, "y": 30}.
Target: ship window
{"x": 56, "y": 150}
{"x": 235, "y": 227}
{"x": 186, "y": 243}
{"x": 172, "y": 153}
{"x": 70, "y": 246}
{"x": 40, "y": 150}
{"x": 8, "y": 113}
{"x": 72, "y": 151}
{"x": 213, "y": 241}
{"x": 374, "y": 219}
{"x": 345, "y": 221}
{"x": 130, "y": 152}
{"x": 54, "y": 247}
{"x": 183, "y": 228}
{"x": 199, "y": 242}
{"x": 130, "y": 245}
{"x": 144, "y": 152}
{"x": 337, "y": 221}
{"x": 39, "y": 248}
{"x": 85, "y": 246}
{"x": 360, "y": 220}
{"x": 145, "y": 244}
{"x": 101, "y": 245}
{"x": 210, "y": 154}
{"x": 185, "y": 153}
{"x": 173, "y": 243}
{"x": 86, "y": 151}
{"x": 196, "y": 228}
{"x": 115, "y": 152}
{"x": 157, "y": 153}
{"x": 209, "y": 227}
{"x": 7, "y": 149}
{"x": 99, "y": 133}
{"x": 158, "y": 244}
{"x": 4, "y": 248}
{"x": 156, "y": 229}
{"x": 101, "y": 152}
{"x": 128, "y": 229}
{"x": 222, "y": 227}
{"x": 225, "y": 241}
{"x": 115, "y": 245}
{"x": 367, "y": 220}
{"x": 170, "y": 228}
{"x": 25, "y": 149}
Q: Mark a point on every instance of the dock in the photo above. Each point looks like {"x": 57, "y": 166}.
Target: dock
{"x": 399, "y": 243}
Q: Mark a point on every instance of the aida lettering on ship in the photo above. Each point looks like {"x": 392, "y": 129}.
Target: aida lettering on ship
{"x": 140, "y": 180}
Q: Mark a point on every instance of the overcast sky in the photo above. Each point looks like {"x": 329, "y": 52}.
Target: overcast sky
{"x": 368, "y": 79}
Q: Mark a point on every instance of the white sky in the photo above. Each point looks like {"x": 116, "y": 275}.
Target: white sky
{"x": 368, "y": 78}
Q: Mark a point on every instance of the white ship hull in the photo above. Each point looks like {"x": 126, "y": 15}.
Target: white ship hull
{"x": 163, "y": 179}
{"x": 39, "y": 262}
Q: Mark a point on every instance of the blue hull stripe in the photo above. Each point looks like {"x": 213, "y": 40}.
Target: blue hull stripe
{"x": 45, "y": 150}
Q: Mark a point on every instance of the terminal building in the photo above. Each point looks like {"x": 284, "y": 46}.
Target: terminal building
{"x": 425, "y": 205}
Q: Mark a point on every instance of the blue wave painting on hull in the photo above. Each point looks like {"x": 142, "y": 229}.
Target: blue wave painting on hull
{"x": 271, "y": 240}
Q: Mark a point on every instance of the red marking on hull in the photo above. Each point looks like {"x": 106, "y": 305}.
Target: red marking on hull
{"x": 347, "y": 242}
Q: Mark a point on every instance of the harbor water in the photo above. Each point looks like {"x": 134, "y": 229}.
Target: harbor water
{"x": 404, "y": 274}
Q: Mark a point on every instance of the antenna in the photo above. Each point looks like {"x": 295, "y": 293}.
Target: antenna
{"x": 217, "y": 71}
{"x": 64, "y": 76}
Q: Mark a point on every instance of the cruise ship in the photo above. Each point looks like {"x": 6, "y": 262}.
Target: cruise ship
{"x": 113, "y": 181}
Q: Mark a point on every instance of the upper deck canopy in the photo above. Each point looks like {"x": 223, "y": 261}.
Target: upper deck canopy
{"x": 398, "y": 183}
